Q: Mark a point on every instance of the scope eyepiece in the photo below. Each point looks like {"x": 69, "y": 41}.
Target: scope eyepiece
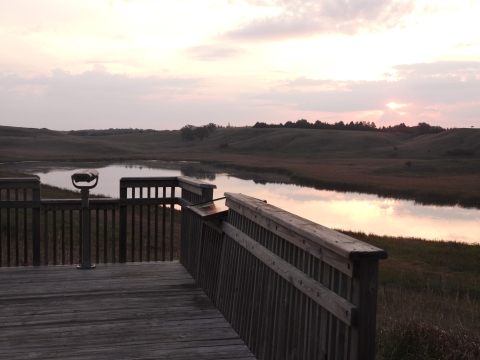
{"x": 85, "y": 176}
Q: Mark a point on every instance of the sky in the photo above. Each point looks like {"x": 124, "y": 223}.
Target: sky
{"x": 83, "y": 64}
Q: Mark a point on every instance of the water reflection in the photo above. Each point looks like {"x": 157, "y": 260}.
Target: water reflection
{"x": 349, "y": 211}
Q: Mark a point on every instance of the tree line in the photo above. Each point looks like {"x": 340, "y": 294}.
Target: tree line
{"x": 420, "y": 129}
{"x": 111, "y": 131}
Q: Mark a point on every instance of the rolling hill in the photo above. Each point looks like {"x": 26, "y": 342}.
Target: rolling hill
{"x": 23, "y": 144}
{"x": 422, "y": 167}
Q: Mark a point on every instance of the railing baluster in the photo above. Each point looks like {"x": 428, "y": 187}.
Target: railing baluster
{"x": 16, "y": 230}
{"x": 163, "y": 224}
{"x": 105, "y": 237}
{"x": 25, "y": 233}
{"x": 80, "y": 237}
{"x": 71, "y": 237}
{"x": 63, "y": 237}
{"x": 97, "y": 236}
{"x": 36, "y": 227}
{"x": 140, "y": 252}
{"x": 45, "y": 226}
{"x": 8, "y": 230}
{"x": 113, "y": 236}
{"x": 54, "y": 235}
{"x": 156, "y": 225}
{"x": 172, "y": 216}
{"x": 148, "y": 226}
{"x": 133, "y": 226}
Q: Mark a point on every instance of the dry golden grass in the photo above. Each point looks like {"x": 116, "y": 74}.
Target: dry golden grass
{"x": 414, "y": 325}
{"x": 428, "y": 299}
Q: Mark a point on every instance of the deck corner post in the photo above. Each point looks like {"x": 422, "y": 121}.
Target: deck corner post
{"x": 367, "y": 303}
{"x": 36, "y": 226}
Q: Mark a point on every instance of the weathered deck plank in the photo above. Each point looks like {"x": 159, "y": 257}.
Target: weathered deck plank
{"x": 117, "y": 311}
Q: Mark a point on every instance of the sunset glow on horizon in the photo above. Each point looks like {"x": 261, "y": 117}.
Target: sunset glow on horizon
{"x": 71, "y": 64}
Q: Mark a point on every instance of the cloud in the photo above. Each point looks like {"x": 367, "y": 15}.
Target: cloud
{"x": 467, "y": 45}
{"x": 99, "y": 100}
{"x": 440, "y": 69}
{"x": 298, "y": 18}
{"x": 212, "y": 52}
{"x": 90, "y": 99}
{"x": 98, "y": 82}
{"x": 441, "y": 90}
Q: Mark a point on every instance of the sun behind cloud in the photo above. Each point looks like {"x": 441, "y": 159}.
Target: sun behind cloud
{"x": 394, "y": 106}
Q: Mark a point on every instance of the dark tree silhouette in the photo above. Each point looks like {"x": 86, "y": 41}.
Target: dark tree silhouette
{"x": 187, "y": 132}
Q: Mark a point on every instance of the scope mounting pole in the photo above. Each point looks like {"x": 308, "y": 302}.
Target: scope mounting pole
{"x": 80, "y": 177}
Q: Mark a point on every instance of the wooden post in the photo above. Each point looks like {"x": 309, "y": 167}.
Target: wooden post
{"x": 122, "y": 236}
{"x": 172, "y": 223}
{"x": 367, "y": 303}
{"x": 36, "y": 226}
{"x": 207, "y": 194}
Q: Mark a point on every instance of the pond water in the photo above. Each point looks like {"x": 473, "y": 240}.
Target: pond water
{"x": 348, "y": 211}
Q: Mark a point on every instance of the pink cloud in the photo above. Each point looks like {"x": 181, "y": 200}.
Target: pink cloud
{"x": 300, "y": 18}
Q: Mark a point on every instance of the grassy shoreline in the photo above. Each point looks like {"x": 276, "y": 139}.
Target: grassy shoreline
{"x": 423, "y": 194}
{"x": 420, "y": 196}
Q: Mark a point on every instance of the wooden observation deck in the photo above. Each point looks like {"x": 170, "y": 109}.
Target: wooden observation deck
{"x": 117, "y": 311}
{"x": 234, "y": 278}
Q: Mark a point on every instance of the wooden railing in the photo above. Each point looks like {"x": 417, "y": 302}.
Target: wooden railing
{"x": 19, "y": 221}
{"x": 141, "y": 225}
{"x": 292, "y": 289}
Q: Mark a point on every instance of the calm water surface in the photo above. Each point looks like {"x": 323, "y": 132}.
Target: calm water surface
{"x": 349, "y": 211}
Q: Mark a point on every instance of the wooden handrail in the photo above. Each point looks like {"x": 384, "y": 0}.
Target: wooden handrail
{"x": 294, "y": 228}
{"x": 20, "y": 183}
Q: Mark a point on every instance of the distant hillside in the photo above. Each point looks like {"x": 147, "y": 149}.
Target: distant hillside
{"x": 41, "y": 144}
{"x": 443, "y": 143}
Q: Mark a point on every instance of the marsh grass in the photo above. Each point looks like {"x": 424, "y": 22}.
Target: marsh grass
{"x": 425, "y": 325}
{"x": 428, "y": 299}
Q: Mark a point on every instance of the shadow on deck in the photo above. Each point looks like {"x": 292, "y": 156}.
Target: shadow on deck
{"x": 148, "y": 310}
